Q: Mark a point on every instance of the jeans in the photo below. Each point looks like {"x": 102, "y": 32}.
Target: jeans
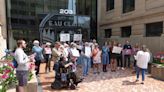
{"x": 86, "y": 65}
{"x": 79, "y": 60}
{"x": 119, "y": 61}
{"x": 127, "y": 59}
{"x": 143, "y": 73}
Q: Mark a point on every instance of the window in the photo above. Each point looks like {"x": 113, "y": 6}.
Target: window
{"x": 128, "y": 5}
{"x": 126, "y": 31}
{"x": 108, "y": 33}
{"x": 14, "y": 12}
{"x": 14, "y": 20}
{"x": 109, "y": 5}
{"x": 32, "y": 22}
{"x": 154, "y": 29}
{"x": 22, "y": 21}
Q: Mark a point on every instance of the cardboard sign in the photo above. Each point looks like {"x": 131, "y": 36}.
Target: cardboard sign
{"x": 116, "y": 50}
{"x": 77, "y": 37}
{"x": 64, "y": 37}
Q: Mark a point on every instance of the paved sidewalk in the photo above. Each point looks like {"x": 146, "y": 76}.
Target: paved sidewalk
{"x": 119, "y": 81}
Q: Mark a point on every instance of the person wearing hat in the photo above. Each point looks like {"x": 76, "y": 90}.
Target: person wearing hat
{"x": 142, "y": 58}
{"x": 47, "y": 54}
{"x": 39, "y": 55}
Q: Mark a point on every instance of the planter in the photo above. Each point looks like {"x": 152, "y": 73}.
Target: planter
{"x": 157, "y": 71}
{"x": 149, "y": 67}
{"x": 31, "y": 86}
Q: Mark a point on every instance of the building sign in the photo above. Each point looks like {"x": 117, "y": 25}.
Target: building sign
{"x": 65, "y": 11}
{"x": 64, "y": 37}
{"x": 77, "y": 37}
{"x": 60, "y": 23}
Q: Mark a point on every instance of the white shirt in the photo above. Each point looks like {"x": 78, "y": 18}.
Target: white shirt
{"x": 142, "y": 59}
{"x": 22, "y": 60}
{"x": 88, "y": 51}
{"x": 74, "y": 52}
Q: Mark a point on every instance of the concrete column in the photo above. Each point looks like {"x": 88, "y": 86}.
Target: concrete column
{"x": 3, "y": 31}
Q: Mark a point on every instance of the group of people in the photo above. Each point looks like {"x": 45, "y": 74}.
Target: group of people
{"x": 88, "y": 54}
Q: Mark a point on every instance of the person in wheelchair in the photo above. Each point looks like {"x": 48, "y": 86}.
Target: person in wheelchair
{"x": 66, "y": 74}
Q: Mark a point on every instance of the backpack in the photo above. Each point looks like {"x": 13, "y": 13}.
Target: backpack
{"x": 14, "y": 62}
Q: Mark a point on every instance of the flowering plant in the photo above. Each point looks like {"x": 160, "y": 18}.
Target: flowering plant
{"x": 159, "y": 58}
{"x": 8, "y": 74}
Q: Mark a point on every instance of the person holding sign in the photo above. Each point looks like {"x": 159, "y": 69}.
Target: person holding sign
{"x": 127, "y": 53}
{"x": 119, "y": 57}
{"x": 114, "y": 51}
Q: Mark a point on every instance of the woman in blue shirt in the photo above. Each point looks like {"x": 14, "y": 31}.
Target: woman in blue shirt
{"x": 105, "y": 56}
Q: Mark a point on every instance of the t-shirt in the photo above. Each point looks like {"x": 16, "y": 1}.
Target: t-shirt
{"x": 38, "y": 50}
{"x": 142, "y": 59}
{"x": 88, "y": 51}
{"x": 22, "y": 59}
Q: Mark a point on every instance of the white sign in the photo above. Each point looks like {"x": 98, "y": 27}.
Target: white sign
{"x": 66, "y": 11}
{"x": 77, "y": 37}
{"x": 64, "y": 37}
{"x": 116, "y": 50}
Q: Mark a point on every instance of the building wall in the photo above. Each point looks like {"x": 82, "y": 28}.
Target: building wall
{"x": 146, "y": 11}
{"x": 3, "y": 31}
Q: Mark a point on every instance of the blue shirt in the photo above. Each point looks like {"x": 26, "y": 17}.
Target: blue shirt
{"x": 38, "y": 50}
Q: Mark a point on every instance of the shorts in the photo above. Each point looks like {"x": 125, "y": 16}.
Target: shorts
{"x": 96, "y": 61}
{"x": 22, "y": 77}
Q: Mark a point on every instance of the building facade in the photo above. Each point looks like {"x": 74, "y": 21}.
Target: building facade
{"x": 24, "y": 18}
{"x": 3, "y": 31}
{"x": 139, "y": 21}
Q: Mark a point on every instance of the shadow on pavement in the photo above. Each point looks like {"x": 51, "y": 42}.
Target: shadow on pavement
{"x": 127, "y": 82}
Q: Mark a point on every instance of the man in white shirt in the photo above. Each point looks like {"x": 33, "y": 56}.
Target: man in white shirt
{"x": 142, "y": 58}
{"x": 87, "y": 53}
{"x": 22, "y": 68}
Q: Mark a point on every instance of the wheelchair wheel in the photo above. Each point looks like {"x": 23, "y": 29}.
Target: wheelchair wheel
{"x": 56, "y": 85}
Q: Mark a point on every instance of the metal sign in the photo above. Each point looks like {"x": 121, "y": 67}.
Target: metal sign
{"x": 66, "y": 11}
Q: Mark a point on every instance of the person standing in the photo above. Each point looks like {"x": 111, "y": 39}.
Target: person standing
{"x": 135, "y": 50}
{"x": 47, "y": 55}
{"x": 87, "y": 53}
{"x": 119, "y": 58}
{"x": 105, "y": 56}
{"x": 142, "y": 58}
{"x": 127, "y": 51}
{"x": 96, "y": 55}
{"x": 113, "y": 57}
{"x": 39, "y": 55}
{"x": 22, "y": 68}
{"x": 56, "y": 55}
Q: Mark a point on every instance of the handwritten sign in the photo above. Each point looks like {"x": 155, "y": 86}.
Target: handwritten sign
{"x": 77, "y": 37}
{"x": 64, "y": 37}
{"x": 116, "y": 50}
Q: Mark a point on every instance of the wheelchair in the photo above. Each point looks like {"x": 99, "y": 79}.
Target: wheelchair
{"x": 64, "y": 77}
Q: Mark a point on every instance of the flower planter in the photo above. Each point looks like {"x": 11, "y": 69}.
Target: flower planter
{"x": 31, "y": 86}
{"x": 149, "y": 68}
{"x": 157, "y": 71}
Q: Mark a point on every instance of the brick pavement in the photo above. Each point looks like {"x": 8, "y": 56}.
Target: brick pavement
{"x": 119, "y": 81}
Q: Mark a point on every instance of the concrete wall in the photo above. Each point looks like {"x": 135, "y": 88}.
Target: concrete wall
{"x": 3, "y": 32}
{"x": 146, "y": 11}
